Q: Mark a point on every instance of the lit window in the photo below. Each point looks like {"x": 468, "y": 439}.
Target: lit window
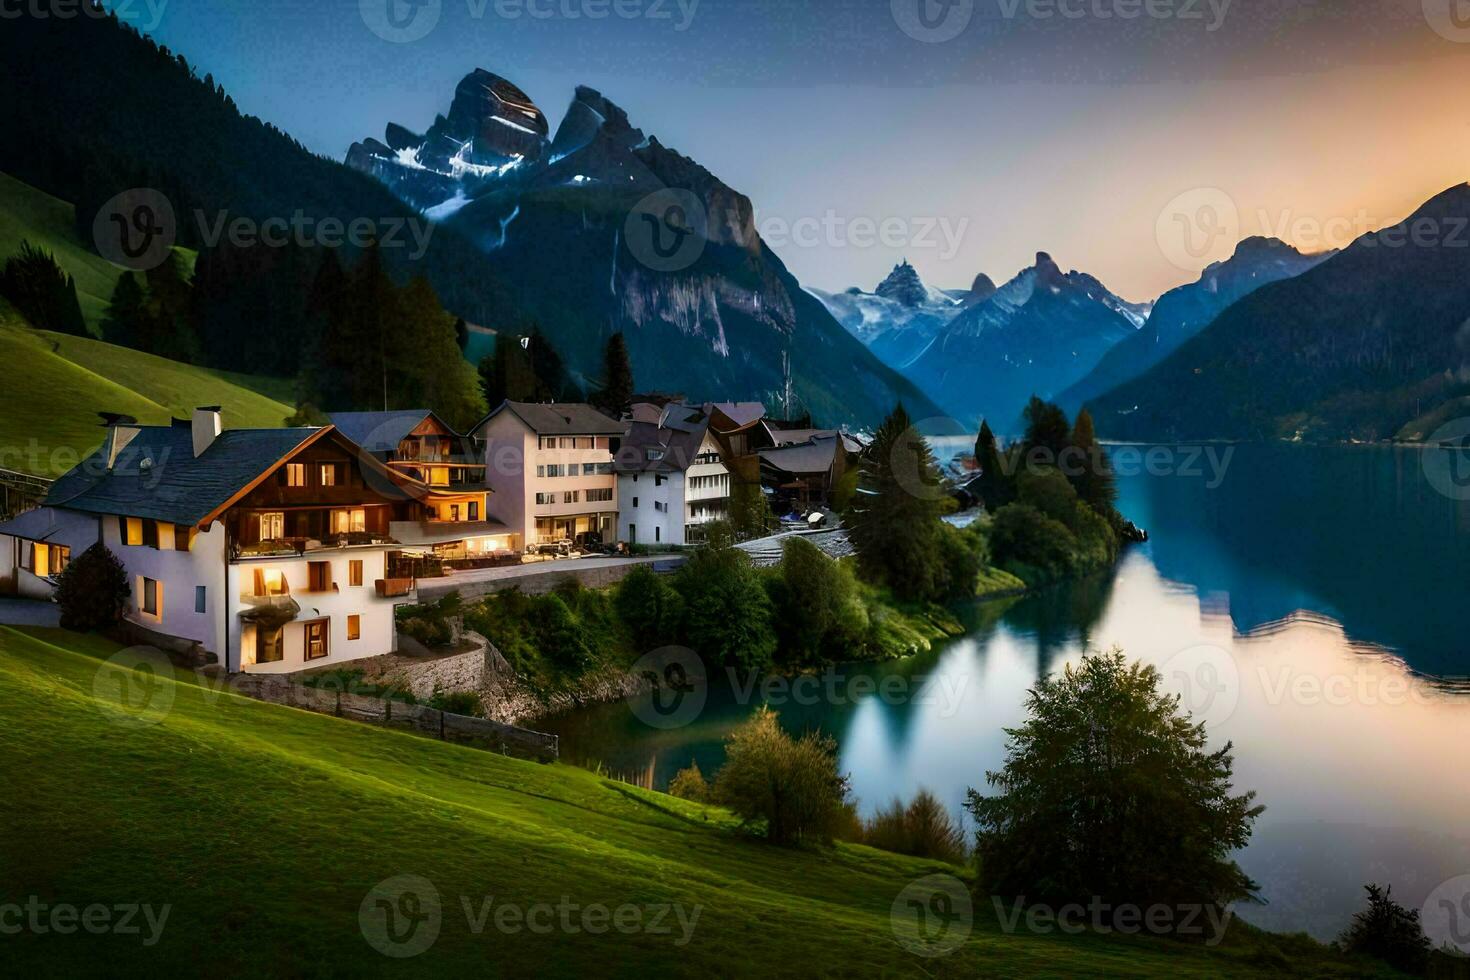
{"x": 354, "y": 573}
{"x": 40, "y": 560}
{"x": 271, "y": 582}
{"x": 295, "y": 474}
{"x": 272, "y": 526}
{"x": 316, "y": 639}
{"x": 133, "y": 533}
{"x": 329, "y": 474}
{"x": 346, "y": 521}
{"x": 354, "y": 627}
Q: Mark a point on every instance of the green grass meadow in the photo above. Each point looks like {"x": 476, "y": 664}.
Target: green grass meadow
{"x": 264, "y": 828}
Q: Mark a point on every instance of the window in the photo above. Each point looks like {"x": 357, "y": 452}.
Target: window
{"x": 658, "y": 479}
{"x": 354, "y": 572}
{"x": 474, "y": 510}
{"x": 150, "y": 534}
{"x": 635, "y": 502}
{"x": 599, "y": 495}
{"x": 270, "y": 646}
{"x": 318, "y": 576}
{"x": 271, "y": 582}
{"x": 149, "y": 604}
{"x": 316, "y": 639}
{"x": 201, "y": 599}
{"x": 545, "y": 498}
{"x": 329, "y": 474}
{"x": 454, "y": 512}
{"x": 439, "y": 476}
{"x": 295, "y": 474}
{"x": 271, "y": 525}
{"x": 183, "y": 537}
{"x": 658, "y": 533}
{"x": 48, "y": 559}
{"x": 571, "y": 496}
{"x": 347, "y": 521}
{"x": 354, "y": 627}
{"x": 589, "y": 468}
{"x": 661, "y": 506}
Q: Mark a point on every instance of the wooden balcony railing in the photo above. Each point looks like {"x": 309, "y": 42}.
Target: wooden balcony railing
{"x": 393, "y": 588}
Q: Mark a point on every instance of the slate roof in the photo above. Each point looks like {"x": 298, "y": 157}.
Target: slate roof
{"x": 815, "y": 456}
{"x": 559, "y": 419}
{"x": 380, "y": 432}
{"x": 741, "y": 413}
{"x": 76, "y": 531}
{"x": 666, "y": 446}
{"x": 157, "y": 476}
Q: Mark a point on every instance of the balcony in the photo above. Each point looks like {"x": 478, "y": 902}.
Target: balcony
{"x": 393, "y": 588}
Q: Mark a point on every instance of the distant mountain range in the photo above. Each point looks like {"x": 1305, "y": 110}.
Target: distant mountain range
{"x": 1186, "y": 310}
{"x": 987, "y": 351}
{"x": 899, "y": 318}
{"x": 565, "y": 220}
{"x": 1361, "y": 346}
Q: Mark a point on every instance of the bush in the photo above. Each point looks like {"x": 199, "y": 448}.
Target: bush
{"x": 457, "y": 702}
{"x": 924, "y": 828}
{"x": 819, "y": 613}
{"x": 42, "y": 291}
{"x": 649, "y": 607}
{"x": 727, "y": 612}
{"x": 429, "y": 623}
{"x": 791, "y": 784}
{"x": 1109, "y": 794}
{"x": 689, "y": 784}
{"x": 93, "y": 591}
{"x": 1029, "y": 544}
{"x": 1387, "y": 931}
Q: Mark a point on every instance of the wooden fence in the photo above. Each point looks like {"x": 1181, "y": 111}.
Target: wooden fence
{"x": 475, "y": 732}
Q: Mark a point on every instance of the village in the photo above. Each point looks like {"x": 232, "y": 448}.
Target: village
{"x": 280, "y": 550}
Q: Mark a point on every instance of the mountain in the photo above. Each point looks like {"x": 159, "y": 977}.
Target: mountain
{"x": 1037, "y": 334}
{"x": 1357, "y": 347}
{"x": 601, "y": 228}
{"x": 899, "y": 318}
{"x": 1186, "y": 310}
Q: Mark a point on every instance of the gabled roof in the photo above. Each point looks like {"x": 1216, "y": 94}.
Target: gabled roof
{"x": 740, "y": 414}
{"x": 53, "y": 526}
{"x": 157, "y": 475}
{"x": 666, "y": 446}
{"x": 814, "y": 456}
{"x": 559, "y": 419}
{"x": 381, "y": 432}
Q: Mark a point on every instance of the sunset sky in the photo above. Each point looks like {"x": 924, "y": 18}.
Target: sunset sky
{"x": 1027, "y": 130}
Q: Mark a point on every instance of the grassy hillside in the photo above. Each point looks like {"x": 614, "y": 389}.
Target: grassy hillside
{"x": 27, "y": 214}
{"x": 60, "y": 383}
{"x": 264, "y": 828}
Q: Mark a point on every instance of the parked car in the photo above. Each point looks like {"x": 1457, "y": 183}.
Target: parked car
{"x": 561, "y": 548}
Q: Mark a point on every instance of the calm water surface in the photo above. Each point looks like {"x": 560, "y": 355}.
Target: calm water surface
{"x": 1311, "y": 608}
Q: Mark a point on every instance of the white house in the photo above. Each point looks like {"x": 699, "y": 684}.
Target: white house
{"x": 671, "y": 478}
{"x": 37, "y": 545}
{"x": 551, "y": 469}
{"x": 269, "y": 548}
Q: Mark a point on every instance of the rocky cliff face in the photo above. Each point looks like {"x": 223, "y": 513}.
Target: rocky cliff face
{"x": 603, "y": 228}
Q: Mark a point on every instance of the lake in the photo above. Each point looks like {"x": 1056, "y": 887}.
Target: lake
{"x": 1308, "y": 603}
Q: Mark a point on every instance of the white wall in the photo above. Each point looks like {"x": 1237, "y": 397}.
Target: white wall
{"x": 654, "y": 526}
{"x": 377, "y": 632}
{"x": 178, "y": 573}
{"x": 512, "y": 455}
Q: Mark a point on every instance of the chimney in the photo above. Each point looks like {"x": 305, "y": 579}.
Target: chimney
{"x": 205, "y": 427}
{"x": 121, "y": 430}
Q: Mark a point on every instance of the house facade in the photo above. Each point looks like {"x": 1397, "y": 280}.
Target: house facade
{"x": 270, "y": 548}
{"x": 550, "y": 469}
{"x": 457, "y": 524}
{"x": 671, "y": 475}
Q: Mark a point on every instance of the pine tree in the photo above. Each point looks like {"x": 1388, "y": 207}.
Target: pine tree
{"x": 1088, "y": 467}
{"x": 167, "y": 327}
{"x": 996, "y": 487}
{"x": 461, "y": 333}
{"x": 125, "y": 312}
{"x": 617, "y": 387}
{"x": 1046, "y": 428}
{"x": 553, "y": 381}
{"x": 42, "y": 291}
{"x": 894, "y": 519}
{"x": 439, "y": 376}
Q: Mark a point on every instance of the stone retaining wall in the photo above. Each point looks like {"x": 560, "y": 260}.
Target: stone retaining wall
{"x": 536, "y": 583}
{"x": 475, "y": 732}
